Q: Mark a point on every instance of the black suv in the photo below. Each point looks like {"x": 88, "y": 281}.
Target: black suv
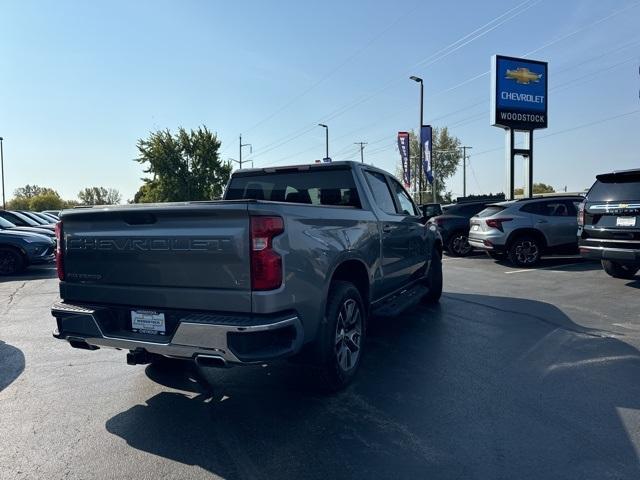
{"x": 609, "y": 229}
{"x": 454, "y": 226}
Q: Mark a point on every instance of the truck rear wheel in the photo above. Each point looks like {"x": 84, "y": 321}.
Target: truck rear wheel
{"x": 619, "y": 270}
{"x": 434, "y": 279}
{"x": 342, "y": 336}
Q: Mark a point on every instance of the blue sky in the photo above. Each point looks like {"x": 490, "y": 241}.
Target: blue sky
{"x": 80, "y": 82}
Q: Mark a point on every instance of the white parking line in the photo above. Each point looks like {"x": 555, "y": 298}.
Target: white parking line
{"x": 541, "y": 268}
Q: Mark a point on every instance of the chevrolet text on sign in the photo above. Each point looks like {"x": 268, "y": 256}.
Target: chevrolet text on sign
{"x": 518, "y": 93}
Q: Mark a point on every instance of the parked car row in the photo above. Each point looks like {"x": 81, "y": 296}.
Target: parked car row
{"x": 26, "y": 238}
{"x": 601, "y": 225}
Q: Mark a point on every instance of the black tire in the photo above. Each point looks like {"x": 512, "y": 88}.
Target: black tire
{"x": 434, "y": 279}
{"x": 525, "y": 251}
{"x": 458, "y": 245}
{"x": 619, "y": 270}
{"x": 341, "y": 336}
{"x": 11, "y": 261}
{"x": 495, "y": 255}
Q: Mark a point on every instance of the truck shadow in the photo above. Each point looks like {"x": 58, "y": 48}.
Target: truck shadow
{"x": 11, "y": 364}
{"x": 480, "y": 387}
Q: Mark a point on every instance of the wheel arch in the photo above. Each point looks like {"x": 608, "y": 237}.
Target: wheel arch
{"x": 21, "y": 253}
{"x": 355, "y": 271}
{"x": 522, "y": 232}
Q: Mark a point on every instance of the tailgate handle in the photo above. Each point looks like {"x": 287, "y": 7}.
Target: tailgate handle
{"x": 139, "y": 218}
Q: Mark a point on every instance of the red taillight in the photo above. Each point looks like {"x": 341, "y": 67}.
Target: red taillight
{"x": 266, "y": 264}
{"x": 497, "y": 222}
{"x": 59, "y": 251}
{"x": 581, "y": 215}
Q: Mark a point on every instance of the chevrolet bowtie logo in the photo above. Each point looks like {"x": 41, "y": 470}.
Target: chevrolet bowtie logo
{"x": 623, "y": 205}
{"x": 523, "y": 76}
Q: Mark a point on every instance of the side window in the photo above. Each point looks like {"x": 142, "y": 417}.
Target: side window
{"x": 380, "y": 191}
{"x": 406, "y": 205}
{"x": 557, "y": 208}
{"x": 572, "y": 205}
{"x": 534, "y": 207}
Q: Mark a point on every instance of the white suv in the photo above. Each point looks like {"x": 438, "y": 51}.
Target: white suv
{"x": 524, "y": 230}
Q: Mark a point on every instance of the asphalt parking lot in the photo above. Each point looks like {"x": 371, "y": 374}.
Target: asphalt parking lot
{"x": 517, "y": 374}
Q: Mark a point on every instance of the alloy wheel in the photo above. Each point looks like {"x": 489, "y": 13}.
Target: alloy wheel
{"x": 348, "y": 334}
{"x": 460, "y": 245}
{"x": 527, "y": 252}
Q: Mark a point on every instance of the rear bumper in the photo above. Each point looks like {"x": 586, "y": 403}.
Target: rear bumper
{"x": 485, "y": 244}
{"x": 230, "y": 337}
{"x": 610, "y": 253}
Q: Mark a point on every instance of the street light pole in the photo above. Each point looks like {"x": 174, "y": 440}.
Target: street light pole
{"x": 4, "y": 206}
{"x": 420, "y": 182}
{"x": 362, "y": 144}
{"x": 326, "y": 139}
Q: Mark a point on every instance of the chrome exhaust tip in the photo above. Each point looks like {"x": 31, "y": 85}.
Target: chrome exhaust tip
{"x": 211, "y": 361}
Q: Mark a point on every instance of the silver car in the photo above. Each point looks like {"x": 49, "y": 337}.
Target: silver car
{"x": 524, "y": 230}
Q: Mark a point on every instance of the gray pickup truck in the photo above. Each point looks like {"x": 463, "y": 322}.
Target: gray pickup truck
{"x": 291, "y": 263}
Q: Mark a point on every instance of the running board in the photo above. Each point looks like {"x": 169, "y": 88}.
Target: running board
{"x": 401, "y": 301}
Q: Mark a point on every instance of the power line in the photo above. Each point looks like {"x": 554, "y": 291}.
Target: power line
{"x": 334, "y": 70}
{"x": 578, "y": 127}
{"x": 462, "y": 122}
{"x": 448, "y": 50}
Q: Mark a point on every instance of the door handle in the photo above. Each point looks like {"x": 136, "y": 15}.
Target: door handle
{"x": 387, "y": 228}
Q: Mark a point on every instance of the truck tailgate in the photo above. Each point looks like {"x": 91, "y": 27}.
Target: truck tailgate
{"x": 178, "y": 256}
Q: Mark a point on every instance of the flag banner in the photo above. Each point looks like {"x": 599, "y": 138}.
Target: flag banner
{"x": 426, "y": 139}
{"x": 403, "y": 147}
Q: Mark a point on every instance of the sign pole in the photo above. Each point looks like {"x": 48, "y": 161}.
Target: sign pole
{"x": 530, "y": 166}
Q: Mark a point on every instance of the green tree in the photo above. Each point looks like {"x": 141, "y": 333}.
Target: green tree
{"x": 18, "y": 203}
{"x": 537, "y": 188}
{"x": 46, "y": 201}
{"x": 70, "y": 203}
{"x": 34, "y": 197}
{"x": 446, "y": 155}
{"x": 99, "y": 196}
{"x": 185, "y": 166}
{"x": 30, "y": 191}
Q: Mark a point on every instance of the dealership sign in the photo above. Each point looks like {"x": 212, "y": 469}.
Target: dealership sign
{"x": 518, "y": 93}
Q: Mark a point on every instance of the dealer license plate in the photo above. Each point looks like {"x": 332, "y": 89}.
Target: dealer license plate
{"x": 626, "y": 222}
{"x": 145, "y": 321}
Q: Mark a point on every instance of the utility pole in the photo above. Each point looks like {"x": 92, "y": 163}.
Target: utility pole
{"x": 240, "y": 150}
{"x": 464, "y": 170}
{"x": 362, "y": 144}
{"x": 4, "y": 206}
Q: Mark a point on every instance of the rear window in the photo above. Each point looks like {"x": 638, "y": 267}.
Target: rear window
{"x": 490, "y": 211}
{"x": 465, "y": 209}
{"x": 312, "y": 187}
{"x": 615, "y": 188}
